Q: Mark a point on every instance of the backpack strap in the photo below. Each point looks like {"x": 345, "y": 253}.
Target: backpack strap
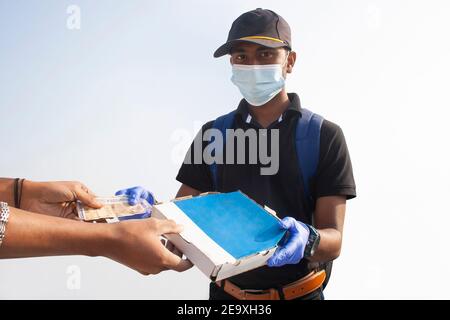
{"x": 307, "y": 143}
{"x": 222, "y": 123}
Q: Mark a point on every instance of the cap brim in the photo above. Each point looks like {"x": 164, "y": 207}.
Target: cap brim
{"x": 226, "y": 47}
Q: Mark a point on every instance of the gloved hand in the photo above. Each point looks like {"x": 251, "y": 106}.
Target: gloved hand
{"x": 135, "y": 195}
{"x": 292, "y": 249}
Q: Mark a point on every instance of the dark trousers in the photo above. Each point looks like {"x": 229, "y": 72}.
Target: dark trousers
{"x": 216, "y": 293}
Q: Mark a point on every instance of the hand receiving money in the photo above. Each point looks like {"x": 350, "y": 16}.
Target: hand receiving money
{"x": 135, "y": 194}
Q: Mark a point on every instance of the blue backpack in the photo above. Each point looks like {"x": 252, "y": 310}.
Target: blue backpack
{"x": 307, "y": 143}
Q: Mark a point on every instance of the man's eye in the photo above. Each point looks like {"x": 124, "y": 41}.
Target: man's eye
{"x": 240, "y": 57}
{"x": 266, "y": 54}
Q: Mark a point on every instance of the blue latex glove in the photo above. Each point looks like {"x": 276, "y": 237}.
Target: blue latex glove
{"x": 135, "y": 195}
{"x": 292, "y": 249}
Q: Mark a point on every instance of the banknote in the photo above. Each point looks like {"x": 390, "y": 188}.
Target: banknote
{"x": 114, "y": 208}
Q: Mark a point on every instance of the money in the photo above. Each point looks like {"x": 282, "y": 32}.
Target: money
{"x": 114, "y": 208}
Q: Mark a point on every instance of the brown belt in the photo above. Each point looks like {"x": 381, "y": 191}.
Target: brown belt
{"x": 294, "y": 290}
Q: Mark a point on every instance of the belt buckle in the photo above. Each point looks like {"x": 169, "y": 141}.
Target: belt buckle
{"x": 246, "y": 293}
{"x": 272, "y": 293}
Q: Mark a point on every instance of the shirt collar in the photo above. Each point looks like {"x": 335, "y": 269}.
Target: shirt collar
{"x": 293, "y": 107}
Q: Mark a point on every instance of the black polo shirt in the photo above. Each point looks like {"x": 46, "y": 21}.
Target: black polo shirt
{"x": 281, "y": 191}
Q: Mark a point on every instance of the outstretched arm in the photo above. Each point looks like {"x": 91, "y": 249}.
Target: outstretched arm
{"x": 135, "y": 244}
{"x": 55, "y": 198}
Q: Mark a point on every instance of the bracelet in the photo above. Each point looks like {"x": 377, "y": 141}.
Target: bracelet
{"x": 4, "y": 216}
{"x": 16, "y": 192}
{"x": 20, "y": 192}
{"x": 18, "y": 186}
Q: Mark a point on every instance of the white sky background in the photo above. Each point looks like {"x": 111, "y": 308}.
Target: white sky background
{"x": 114, "y": 104}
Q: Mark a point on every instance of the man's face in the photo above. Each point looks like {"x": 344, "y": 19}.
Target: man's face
{"x": 252, "y": 53}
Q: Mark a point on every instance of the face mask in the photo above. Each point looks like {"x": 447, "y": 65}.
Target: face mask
{"x": 258, "y": 83}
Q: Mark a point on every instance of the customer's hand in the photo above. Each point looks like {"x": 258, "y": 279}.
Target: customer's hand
{"x": 137, "y": 244}
{"x": 56, "y": 198}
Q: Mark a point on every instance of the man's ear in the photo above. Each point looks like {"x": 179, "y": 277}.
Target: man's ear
{"x": 291, "y": 61}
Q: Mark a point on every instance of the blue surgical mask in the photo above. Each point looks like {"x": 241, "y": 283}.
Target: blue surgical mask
{"x": 258, "y": 83}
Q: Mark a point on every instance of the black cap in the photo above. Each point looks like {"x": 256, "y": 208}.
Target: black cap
{"x": 260, "y": 26}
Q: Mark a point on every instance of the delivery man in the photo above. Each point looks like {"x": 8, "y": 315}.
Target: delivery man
{"x": 260, "y": 49}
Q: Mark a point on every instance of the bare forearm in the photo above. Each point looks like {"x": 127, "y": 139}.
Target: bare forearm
{"x": 7, "y": 191}
{"x": 29, "y": 235}
{"x": 329, "y": 247}
{"x": 329, "y": 220}
{"x": 186, "y": 190}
